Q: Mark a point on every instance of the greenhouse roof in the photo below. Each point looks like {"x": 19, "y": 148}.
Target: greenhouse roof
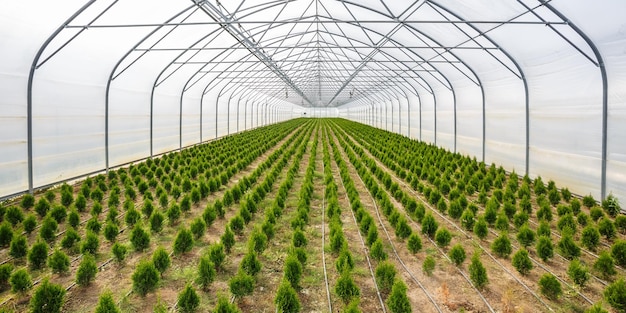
{"x": 513, "y": 70}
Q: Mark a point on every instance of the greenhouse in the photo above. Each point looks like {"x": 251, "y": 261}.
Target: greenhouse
{"x": 312, "y": 156}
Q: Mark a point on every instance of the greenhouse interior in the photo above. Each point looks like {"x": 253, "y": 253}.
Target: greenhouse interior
{"x": 312, "y": 156}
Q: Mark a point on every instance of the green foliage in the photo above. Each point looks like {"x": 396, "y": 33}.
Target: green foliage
{"x": 111, "y": 231}
{"x": 47, "y": 298}
{"x": 206, "y": 273}
{"x": 398, "y": 301}
{"x": 173, "y": 213}
{"x": 42, "y": 207}
{"x": 183, "y": 242}
{"x": 605, "y": 265}
{"x": 258, "y": 241}
{"x": 478, "y": 273}
{"x": 544, "y": 248}
{"x": 618, "y": 252}
{"x": 293, "y": 270}
{"x": 250, "y": 264}
{"x": 19, "y": 247}
{"x": 93, "y": 225}
{"x": 544, "y": 229}
{"x": 590, "y": 237}
{"x": 119, "y": 252}
{"x": 198, "y": 227}
{"x": 161, "y": 260}
{"x": 526, "y": 236}
{"x": 480, "y": 228}
{"x": 5, "y": 273}
{"x": 58, "y": 213}
{"x": 139, "y": 238}
{"x": 241, "y": 284}
{"x": 237, "y": 224}
{"x": 429, "y": 225}
{"x": 91, "y": 244}
{"x": 86, "y": 270}
{"x": 521, "y": 261}
{"x": 578, "y": 272}
{"x": 596, "y": 213}
{"x": 27, "y": 201}
{"x": 611, "y": 205}
{"x": 224, "y": 306}
{"x": 443, "y": 237}
{"x": 501, "y": 246}
{"x": 228, "y": 239}
{"x": 13, "y": 215}
{"x": 156, "y": 222}
{"x": 48, "y": 229}
{"x": 344, "y": 261}
{"x": 145, "y": 278}
{"x": 59, "y": 262}
{"x": 568, "y": 248}
{"x": 20, "y": 281}
{"x": 71, "y": 237}
{"x": 597, "y": 308}
{"x": 502, "y": 222}
{"x": 29, "y": 223}
{"x": 620, "y": 223}
{"x": 346, "y": 289}
{"x": 286, "y": 299}
{"x": 403, "y": 230}
{"x": 38, "y": 255}
{"x": 217, "y": 255}
{"x": 550, "y": 286}
{"x": 467, "y": 220}
{"x": 615, "y": 295}
{"x": 377, "y": 252}
{"x": 385, "y": 276}
{"x": 414, "y": 244}
{"x": 589, "y": 201}
{"x": 106, "y": 304}
{"x": 457, "y": 254}
{"x": 607, "y": 228}
{"x": 428, "y": 266}
{"x": 188, "y": 300}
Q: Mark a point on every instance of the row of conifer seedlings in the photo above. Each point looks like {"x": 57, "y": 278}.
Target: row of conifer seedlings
{"x": 393, "y": 289}
{"x": 549, "y": 285}
{"x": 87, "y": 269}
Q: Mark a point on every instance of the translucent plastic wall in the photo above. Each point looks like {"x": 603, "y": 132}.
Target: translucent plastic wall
{"x": 536, "y": 86}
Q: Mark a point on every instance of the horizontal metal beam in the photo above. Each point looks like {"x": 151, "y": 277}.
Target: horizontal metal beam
{"x": 315, "y": 22}
{"x": 316, "y": 47}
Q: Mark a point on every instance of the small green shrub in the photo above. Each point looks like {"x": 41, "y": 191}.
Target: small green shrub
{"x": 38, "y": 255}
{"x": 20, "y": 281}
{"x": 467, "y": 220}
{"x": 414, "y": 244}
{"x": 544, "y": 248}
{"x": 611, "y": 205}
{"x": 19, "y": 247}
{"x": 241, "y": 285}
{"x": 258, "y": 241}
{"x": 217, "y": 255}
{"x": 457, "y": 254}
{"x": 480, "y": 228}
{"x": 145, "y": 278}
{"x": 59, "y": 262}
{"x": 478, "y": 273}
{"x": 188, "y": 299}
{"x": 286, "y": 299}
{"x": 377, "y": 252}
{"x": 607, "y": 228}
{"x": 568, "y": 248}
{"x": 615, "y": 295}
{"x": 550, "y": 286}
{"x": 106, "y": 304}
{"x": 443, "y": 237}
{"x": 183, "y": 242}
{"x": 119, "y": 252}
{"x": 47, "y": 298}
{"x": 48, "y": 229}
{"x": 13, "y": 215}
{"x": 161, "y": 260}
{"x": 344, "y": 261}
{"x": 398, "y": 301}
{"x": 5, "y": 273}
{"x": 198, "y": 228}
{"x": 521, "y": 261}
{"x": 525, "y": 236}
{"x": 90, "y": 244}
{"x": 605, "y": 265}
{"x": 293, "y": 271}
{"x": 139, "y": 238}
{"x": 86, "y": 270}
{"x": 206, "y": 273}
{"x": 501, "y": 246}
{"x": 578, "y": 273}
{"x": 70, "y": 239}
{"x": 385, "y": 276}
{"x": 228, "y": 239}
{"x": 250, "y": 264}
{"x": 428, "y": 266}
{"x": 590, "y": 237}
{"x": 346, "y": 289}
{"x": 111, "y": 231}
{"x": 29, "y": 223}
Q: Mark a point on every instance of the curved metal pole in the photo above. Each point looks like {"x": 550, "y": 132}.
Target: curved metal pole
{"x": 29, "y": 96}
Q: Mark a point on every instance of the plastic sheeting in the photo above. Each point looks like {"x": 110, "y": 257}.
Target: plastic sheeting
{"x": 516, "y": 83}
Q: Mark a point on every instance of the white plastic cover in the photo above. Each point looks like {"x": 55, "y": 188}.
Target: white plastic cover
{"x": 516, "y": 83}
